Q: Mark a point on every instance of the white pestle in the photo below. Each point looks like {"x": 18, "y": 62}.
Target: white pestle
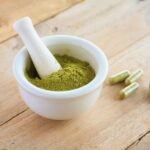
{"x": 43, "y": 60}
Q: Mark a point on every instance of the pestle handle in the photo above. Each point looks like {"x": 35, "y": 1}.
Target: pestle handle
{"x": 43, "y": 60}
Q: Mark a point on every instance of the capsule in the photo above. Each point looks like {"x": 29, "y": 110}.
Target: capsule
{"x": 135, "y": 76}
{"x": 119, "y": 77}
{"x": 129, "y": 90}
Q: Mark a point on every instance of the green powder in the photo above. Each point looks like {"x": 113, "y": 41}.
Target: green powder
{"x": 74, "y": 74}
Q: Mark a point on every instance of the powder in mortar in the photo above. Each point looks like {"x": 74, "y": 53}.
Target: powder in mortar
{"x": 74, "y": 74}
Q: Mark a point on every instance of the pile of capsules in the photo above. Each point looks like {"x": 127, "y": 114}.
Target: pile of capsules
{"x": 130, "y": 80}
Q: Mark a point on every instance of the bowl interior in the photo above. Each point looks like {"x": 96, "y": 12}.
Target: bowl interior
{"x": 72, "y": 46}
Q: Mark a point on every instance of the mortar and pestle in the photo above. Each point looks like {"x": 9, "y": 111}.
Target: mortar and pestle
{"x": 58, "y": 105}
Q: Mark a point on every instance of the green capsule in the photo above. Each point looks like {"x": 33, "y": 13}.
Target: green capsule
{"x": 119, "y": 77}
{"x": 135, "y": 76}
{"x": 129, "y": 90}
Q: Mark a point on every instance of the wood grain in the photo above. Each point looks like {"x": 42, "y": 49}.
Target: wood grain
{"x": 38, "y": 10}
{"x": 122, "y": 29}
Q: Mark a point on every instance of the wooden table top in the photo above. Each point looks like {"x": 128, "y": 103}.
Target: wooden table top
{"x": 121, "y": 28}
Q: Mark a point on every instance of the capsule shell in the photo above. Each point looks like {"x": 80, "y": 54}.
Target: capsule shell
{"x": 129, "y": 90}
{"x": 119, "y": 77}
{"x": 135, "y": 76}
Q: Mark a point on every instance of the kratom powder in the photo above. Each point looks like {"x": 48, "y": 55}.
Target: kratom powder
{"x": 74, "y": 74}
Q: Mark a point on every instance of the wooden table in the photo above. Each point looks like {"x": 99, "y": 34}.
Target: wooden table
{"x": 121, "y": 28}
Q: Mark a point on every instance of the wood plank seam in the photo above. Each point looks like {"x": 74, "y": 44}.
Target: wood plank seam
{"x": 14, "y": 117}
{"x": 51, "y": 17}
{"x": 136, "y": 142}
{"x": 62, "y": 11}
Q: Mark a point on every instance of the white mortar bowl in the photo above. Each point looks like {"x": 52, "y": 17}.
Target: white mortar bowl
{"x": 61, "y": 105}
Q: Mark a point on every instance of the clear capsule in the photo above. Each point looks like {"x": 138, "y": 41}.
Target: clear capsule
{"x": 119, "y": 77}
{"x": 129, "y": 90}
{"x": 135, "y": 76}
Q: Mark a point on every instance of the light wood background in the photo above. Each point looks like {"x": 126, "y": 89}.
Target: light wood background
{"x": 38, "y": 10}
{"x": 122, "y": 29}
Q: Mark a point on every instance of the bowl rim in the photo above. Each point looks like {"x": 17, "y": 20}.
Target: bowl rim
{"x": 92, "y": 85}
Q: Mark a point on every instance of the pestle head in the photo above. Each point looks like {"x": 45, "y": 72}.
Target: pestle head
{"x": 43, "y": 60}
{"x": 22, "y": 23}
